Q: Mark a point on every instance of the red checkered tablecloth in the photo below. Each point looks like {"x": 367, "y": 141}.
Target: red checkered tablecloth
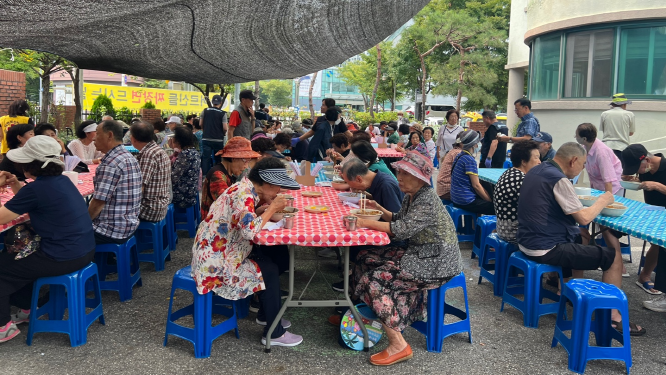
{"x": 320, "y": 230}
{"x": 86, "y": 188}
{"x": 389, "y": 153}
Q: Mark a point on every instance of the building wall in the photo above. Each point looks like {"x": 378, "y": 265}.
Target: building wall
{"x": 544, "y": 16}
{"x": 12, "y": 87}
{"x": 519, "y": 52}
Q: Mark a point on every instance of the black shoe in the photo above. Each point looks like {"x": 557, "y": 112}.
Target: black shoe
{"x": 254, "y": 306}
{"x": 339, "y": 286}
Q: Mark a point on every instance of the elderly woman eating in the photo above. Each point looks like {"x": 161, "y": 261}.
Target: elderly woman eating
{"x": 236, "y": 158}
{"x": 394, "y": 281}
{"x": 224, "y": 260}
{"x": 65, "y": 246}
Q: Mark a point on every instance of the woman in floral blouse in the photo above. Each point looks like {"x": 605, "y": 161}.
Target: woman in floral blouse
{"x": 394, "y": 281}
{"x": 185, "y": 170}
{"x": 224, "y": 261}
{"x": 236, "y": 158}
{"x": 416, "y": 143}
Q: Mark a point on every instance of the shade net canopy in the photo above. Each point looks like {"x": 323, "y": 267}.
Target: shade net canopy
{"x": 204, "y": 41}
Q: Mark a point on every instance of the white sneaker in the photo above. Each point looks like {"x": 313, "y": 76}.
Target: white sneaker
{"x": 327, "y": 253}
{"x": 658, "y": 305}
{"x": 20, "y": 317}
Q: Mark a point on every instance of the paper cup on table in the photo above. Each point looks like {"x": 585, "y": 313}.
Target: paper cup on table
{"x": 73, "y": 176}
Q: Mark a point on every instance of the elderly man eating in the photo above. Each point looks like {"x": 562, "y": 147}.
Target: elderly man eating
{"x": 548, "y": 213}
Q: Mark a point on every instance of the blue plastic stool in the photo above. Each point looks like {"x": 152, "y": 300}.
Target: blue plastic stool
{"x": 202, "y": 309}
{"x": 186, "y": 219}
{"x": 463, "y": 221}
{"x": 529, "y": 286}
{"x": 197, "y": 209}
{"x": 446, "y": 202}
{"x": 495, "y": 272}
{"x": 485, "y": 225}
{"x": 171, "y": 228}
{"x": 625, "y": 248}
{"x": 155, "y": 237}
{"x": 435, "y": 330}
{"x": 67, "y": 292}
{"x": 588, "y": 297}
{"x": 127, "y": 267}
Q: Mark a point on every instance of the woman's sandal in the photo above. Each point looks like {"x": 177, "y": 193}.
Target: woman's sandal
{"x": 648, "y": 286}
{"x": 633, "y": 328}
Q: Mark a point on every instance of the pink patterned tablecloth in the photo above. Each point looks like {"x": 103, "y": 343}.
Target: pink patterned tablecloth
{"x": 389, "y": 153}
{"x": 320, "y": 230}
{"x": 86, "y": 188}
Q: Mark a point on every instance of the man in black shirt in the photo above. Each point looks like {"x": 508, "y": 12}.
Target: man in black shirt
{"x": 214, "y": 123}
{"x": 651, "y": 171}
{"x": 493, "y": 152}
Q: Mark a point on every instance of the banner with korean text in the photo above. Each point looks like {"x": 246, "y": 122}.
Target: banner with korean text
{"x": 135, "y": 97}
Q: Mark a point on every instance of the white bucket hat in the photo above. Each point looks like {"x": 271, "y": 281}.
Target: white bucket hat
{"x": 41, "y": 148}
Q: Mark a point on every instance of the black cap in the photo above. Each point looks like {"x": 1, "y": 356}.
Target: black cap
{"x": 216, "y": 100}
{"x": 632, "y": 157}
{"x": 247, "y": 94}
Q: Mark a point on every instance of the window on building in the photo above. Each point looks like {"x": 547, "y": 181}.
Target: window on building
{"x": 642, "y": 65}
{"x": 545, "y": 67}
{"x": 589, "y": 64}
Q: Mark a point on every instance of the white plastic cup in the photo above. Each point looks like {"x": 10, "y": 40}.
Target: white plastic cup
{"x": 73, "y": 176}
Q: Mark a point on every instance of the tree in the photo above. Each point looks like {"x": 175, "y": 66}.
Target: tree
{"x": 310, "y": 104}
{"x": 75, "y": 74}
{"x": 468, "y": 69}
{"x": 207, "y": 88}
{"x": 154, "y": 83}
{"x": 377, "y": 79}
{"x": 277, "y": 92}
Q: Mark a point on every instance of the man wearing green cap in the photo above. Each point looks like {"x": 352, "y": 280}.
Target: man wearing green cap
{"x": 618, "y": 125}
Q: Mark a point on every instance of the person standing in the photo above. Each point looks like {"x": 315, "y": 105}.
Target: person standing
{"x": 241, "y": 121}
{"x": 618, "y": 125}
{"x": 448, "y": 134}
{"x": 493, "y": 153}
{"x": 213, "y": 120}
{"x": 529, "y": 126}
{"x": 17, "y": 114}
{"x": 651, "y": 171}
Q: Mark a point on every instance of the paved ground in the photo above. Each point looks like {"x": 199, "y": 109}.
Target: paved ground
{"x": 131, "y": 341}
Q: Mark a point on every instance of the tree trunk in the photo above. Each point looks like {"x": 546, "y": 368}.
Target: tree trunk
{"x": 461, "y": 76}
{"x": 223, "y": 93}
{"x": 209, "y": 88}
{"x": 312, "y": 83}
{"x": 423, "y": 90}
{"x": 256, "y": 93}
{"x": 46, "y": 97}
{"x": 379, "y": 76}
{"x": 365, "y": 102}
{"x": 393, "y": 100}
{"x": 75, "y": 75}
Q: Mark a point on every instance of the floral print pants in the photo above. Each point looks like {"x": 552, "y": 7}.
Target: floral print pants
{"x": 394, "y": 295}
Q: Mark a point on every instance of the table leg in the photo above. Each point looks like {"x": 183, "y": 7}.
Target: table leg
{"x": 278, "y": 318}
{"x": 357, "y": 316}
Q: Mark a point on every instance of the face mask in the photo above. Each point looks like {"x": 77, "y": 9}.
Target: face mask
{"x": 477, "y": 148}
{"x": 648, "y": 167}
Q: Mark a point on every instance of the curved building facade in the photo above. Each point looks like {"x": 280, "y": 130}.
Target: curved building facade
{"x": 572, "y": 56}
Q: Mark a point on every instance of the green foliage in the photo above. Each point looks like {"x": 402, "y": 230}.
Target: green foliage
{"x": 101, "y": 106}
{"x": 363, "y": 119}
{"x": 277, "y": 92}
{"x": 154, "y": 83}
{"x": 124, "y": 114}
{"x": 148, "y": 105}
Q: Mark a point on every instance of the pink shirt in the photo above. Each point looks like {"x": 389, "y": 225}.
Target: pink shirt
{"x": 603, "y": 166}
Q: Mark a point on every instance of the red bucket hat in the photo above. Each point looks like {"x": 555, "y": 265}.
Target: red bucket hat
{"x": 417, "y": 165}
{"x": 238, "y": 148}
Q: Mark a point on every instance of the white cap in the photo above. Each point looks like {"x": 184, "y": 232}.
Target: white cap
{"x": 175, "y": 119}
{"x": 39, "y": 147}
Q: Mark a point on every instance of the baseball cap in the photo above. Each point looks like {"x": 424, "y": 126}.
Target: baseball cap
{"x": 632, "y": 156}
{"x": 41, "y": 148}
{"x": 247, "y": 94}
{"x": 216, "y": 100}
{"x": 543, "y": 137}
{"x": 175, "y": 119}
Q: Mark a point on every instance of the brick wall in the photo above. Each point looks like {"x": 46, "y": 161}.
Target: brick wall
{"x": 151, "y": 115}
{"x": 65, "y": 117}
{"x": 478, "y": 126}
{"x": 12, "y": 87}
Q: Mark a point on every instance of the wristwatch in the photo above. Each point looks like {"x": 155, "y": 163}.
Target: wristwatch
{"x": 510, "y": 139}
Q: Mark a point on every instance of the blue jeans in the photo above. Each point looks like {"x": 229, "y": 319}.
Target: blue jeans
{"x": 208, "y": 158}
